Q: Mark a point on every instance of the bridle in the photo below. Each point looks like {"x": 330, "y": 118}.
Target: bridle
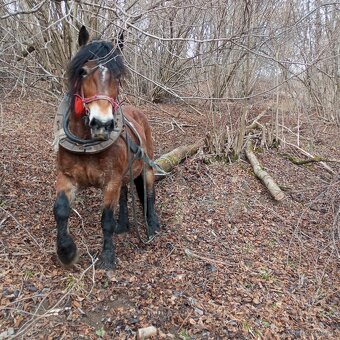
{"x": 82, "y": 110}
{"x": 81, "y": 102}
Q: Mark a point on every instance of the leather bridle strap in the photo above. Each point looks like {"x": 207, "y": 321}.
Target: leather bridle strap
{"x": 87, "y": 100}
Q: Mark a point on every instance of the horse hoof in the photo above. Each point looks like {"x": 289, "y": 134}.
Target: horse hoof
{"x": 107, "y": 261}
{"x": 67, "y": 251}
{"x": 154, "y": 227}
{"x": 120, "y": 229}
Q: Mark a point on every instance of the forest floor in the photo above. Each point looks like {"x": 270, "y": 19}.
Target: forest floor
{"x": 229, "y": 261}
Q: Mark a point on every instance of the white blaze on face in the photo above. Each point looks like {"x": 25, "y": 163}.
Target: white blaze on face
{"x": 104, "y": 71}
{"x": 101, "y": 111}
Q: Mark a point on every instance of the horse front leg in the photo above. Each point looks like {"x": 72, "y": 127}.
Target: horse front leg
{"x": 66, "y": 248}
{"x": 107, "y": 259}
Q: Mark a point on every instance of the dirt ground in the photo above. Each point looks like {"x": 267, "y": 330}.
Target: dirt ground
{"x": 228, "y": 263}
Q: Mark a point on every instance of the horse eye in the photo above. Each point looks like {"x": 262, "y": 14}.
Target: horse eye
{"x": 82, "y": 73}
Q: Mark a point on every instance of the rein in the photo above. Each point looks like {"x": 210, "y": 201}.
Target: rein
{"x": 132, "y": 158}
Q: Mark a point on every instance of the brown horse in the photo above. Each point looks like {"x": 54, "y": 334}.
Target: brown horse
{"x": 94, "y": 78}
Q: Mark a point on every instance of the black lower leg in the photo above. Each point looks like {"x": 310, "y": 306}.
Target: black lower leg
{"x": 66, "y": 248}
{"x": 123, "y": 221}
{"x": 108, "y": 258}
{"x": 152, "y": 218}
{"x": 140, "y": 189}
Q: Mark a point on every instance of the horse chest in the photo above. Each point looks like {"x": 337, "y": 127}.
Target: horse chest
{"x": 87, "y": 175}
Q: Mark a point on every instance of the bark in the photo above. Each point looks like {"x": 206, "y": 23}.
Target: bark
{"x": 266, "y": 179}
{"x": 145, "y": 333}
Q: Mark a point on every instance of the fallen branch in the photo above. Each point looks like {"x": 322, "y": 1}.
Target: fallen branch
{"x": 168, "y": 161}
{"x": 327, "y": 167}
{"x": 314, "y": 159}
{"x": 255, "y": 122}
{"x": 266, "y": 179}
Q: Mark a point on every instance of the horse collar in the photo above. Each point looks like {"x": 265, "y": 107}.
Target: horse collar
{"x": 62, "y": 140}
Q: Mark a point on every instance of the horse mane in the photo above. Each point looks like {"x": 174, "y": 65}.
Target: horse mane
{"x": 103, "y": 53}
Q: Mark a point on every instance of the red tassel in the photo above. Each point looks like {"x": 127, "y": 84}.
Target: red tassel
{"x": 79, "y": 108}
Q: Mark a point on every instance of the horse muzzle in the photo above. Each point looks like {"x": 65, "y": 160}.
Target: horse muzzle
{"x": 100, "y": 130}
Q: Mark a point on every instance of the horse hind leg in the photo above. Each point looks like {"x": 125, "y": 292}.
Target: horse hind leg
{"x": 66, "y": 248}
{"x": 107, "y": 259}
{"x": 123, "y": 220}
{"x": 139, "y": 184}
{"x": 153, "y": 226}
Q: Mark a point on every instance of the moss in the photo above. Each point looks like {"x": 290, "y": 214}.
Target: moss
{"x": 234, "y": 157}
{"x": 298, "y": 161}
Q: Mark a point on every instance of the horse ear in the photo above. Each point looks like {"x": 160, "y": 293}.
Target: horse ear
{"x": 83, "y": 36}
{"x": 121, "y": 41}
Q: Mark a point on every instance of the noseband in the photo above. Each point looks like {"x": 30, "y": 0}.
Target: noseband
{"x": 80, "y": 103}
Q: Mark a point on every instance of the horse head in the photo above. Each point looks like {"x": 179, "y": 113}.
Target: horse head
{"x": 94, "y": 79}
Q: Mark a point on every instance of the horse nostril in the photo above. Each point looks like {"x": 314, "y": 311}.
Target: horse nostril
{"x": 109, "y": 125}
{"x": 94, "y": 123}
{"x": 97, "y": 124}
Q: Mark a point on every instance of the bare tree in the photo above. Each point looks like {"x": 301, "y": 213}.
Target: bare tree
{"x": 211, "y": 52}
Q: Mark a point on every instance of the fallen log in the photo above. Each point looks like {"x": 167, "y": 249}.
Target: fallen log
{"x": 169, "y": 160}
{"x": 266, "y": 179}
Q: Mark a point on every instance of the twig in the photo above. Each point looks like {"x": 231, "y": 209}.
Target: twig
{"x": 81, "y": 220}
{"x": 26, "y": 230}
{"x": 188, "y": 252}
{"x": 93, "y": 260}
{"x": 33, "y": 10}
{"x": 35, "y": 318}
{"x": 4, "y": 220}
{"x": 172, "y": 128}
{"x": 176, "y": 123}
{"x": 184, "y": 321}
